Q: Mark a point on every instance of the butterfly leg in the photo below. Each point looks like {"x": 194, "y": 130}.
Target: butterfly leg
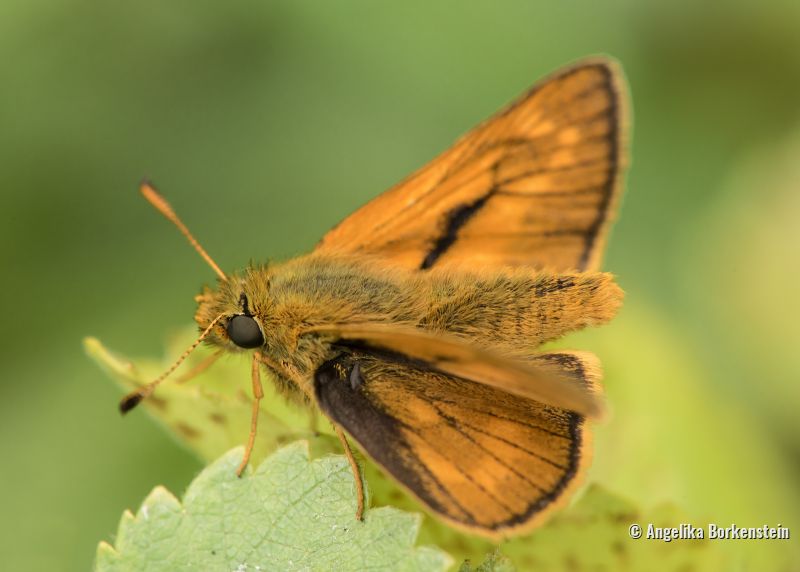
{"x": 200, "y": 368}
{"x": 356, "y": 472}
{"x": 258, "y": 393}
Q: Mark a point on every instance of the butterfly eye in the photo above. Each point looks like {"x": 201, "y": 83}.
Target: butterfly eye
{"x": 244, "y": 332}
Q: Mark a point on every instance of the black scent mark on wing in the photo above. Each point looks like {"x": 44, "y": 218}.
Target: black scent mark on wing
{"x": 456, "y": 219}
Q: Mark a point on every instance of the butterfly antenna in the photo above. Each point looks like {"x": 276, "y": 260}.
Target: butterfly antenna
{"x": 137, "y": 395}
{"x": 155, "y": 199}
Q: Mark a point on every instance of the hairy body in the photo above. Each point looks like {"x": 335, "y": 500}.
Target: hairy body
{"x": 511, "y": 312}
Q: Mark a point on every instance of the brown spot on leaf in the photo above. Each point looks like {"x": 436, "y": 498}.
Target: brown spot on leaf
{"x": 571, "y": 563}
{"x": 187, "y": 431}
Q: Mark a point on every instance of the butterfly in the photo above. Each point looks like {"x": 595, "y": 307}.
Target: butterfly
{"x": 414, "y": 325}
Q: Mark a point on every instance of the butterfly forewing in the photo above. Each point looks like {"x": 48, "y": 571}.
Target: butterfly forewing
{"x": 454, "y": 356}
{"x": 481, "y": 458}
{"x": 535, "y": 185}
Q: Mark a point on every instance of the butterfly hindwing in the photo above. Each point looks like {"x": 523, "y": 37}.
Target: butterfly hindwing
{"x": 485, "y": 460}
{"x": 535, "y": 185}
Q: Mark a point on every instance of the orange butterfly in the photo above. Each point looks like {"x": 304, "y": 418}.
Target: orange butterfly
{"x": 414, "y": 324}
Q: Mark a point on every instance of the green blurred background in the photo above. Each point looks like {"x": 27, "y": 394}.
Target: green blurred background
{"x": 264, "y": 123}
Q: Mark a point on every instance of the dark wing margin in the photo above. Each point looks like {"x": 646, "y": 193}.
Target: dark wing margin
{"x": 535, "y": 185}
{"x": 484, "y": 460}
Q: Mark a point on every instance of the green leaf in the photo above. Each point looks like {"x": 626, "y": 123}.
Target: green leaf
{"x": 495, "y": 562}
{"x": 291, "y": 513}
{"x": 211, "y": 414}
{"x": 594, "y": 534}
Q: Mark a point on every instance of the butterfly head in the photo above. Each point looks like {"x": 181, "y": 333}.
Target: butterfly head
{"x": 234, "y": 310}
